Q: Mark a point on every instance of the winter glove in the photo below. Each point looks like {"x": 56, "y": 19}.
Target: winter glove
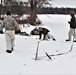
{"x": 17, "y": 31}
{"x": 1, "y": 32}
{"x": 68, "y": 22}
{"x": 54, "y": 39}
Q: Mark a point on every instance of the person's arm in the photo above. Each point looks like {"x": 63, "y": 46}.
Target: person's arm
{"x": 17, "y": 28}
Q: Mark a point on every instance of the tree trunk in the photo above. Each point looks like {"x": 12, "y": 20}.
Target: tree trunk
{"x": 33, "y": 15}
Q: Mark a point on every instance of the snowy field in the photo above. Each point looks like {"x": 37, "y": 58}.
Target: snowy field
{"x": 22, "y": 59}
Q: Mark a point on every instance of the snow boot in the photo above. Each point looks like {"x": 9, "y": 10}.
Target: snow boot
{"x": 68, "y": 40}
{"x": 8, "y": 51}
{"x": 54, "y": 39}
{"x": 74, "y": 41}
{"x": 12, "y": 49}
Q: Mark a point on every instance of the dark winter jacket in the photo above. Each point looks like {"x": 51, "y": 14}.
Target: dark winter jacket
{"x": 43, "y": 31}
{"x": 72, "y": 22}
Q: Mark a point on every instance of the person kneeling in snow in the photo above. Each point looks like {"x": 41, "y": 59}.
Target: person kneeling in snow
{"x": 46, "y": 33}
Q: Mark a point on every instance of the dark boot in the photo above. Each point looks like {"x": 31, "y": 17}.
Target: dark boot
{"x": 68, "y": 40}
{"x": 74, "y": 41}
{"x": 8, "y": 51}
{"x": 54, "y": 39}
{"x": 12, "y": 49}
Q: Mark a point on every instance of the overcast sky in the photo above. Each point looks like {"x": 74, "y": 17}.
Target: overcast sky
{"x": 64, "y": 3}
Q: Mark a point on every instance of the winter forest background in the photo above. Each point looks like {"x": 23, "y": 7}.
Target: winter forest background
{"x": 55, "y": 16}
{"x": 55, "y": 6}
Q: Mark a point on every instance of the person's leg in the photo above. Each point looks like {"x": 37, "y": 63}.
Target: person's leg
{"x": 8, "y": 40}
{"x": 46, "y": 37}
{"x": 40, "y": 35}
{"x": 70, "y": 33}
{"x": 12, "y": 39}
{"x": 74, "y": 35}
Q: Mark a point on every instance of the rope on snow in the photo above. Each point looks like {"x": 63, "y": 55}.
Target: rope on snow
{"x": 49, "y": 56}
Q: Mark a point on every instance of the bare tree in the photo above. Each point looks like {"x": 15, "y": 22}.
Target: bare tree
{"x": 9, "y": 3}
{"x": 33, "y": 7}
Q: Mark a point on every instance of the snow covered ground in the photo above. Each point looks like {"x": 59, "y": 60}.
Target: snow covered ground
{"x": 22, "y": 59}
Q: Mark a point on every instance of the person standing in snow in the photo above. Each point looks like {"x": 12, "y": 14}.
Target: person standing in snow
{"x": 10, "y": 24}
{"x": 72, "y": 28}
{"x": 46, "y": 33}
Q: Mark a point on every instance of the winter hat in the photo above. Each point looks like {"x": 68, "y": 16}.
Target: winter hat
{"x": 72, "y": 13}
{"x": 8, "y": 13}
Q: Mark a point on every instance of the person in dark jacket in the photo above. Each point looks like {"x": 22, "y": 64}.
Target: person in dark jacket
{"x": 45, "y": 33}
{"x": 72, "y": 28}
